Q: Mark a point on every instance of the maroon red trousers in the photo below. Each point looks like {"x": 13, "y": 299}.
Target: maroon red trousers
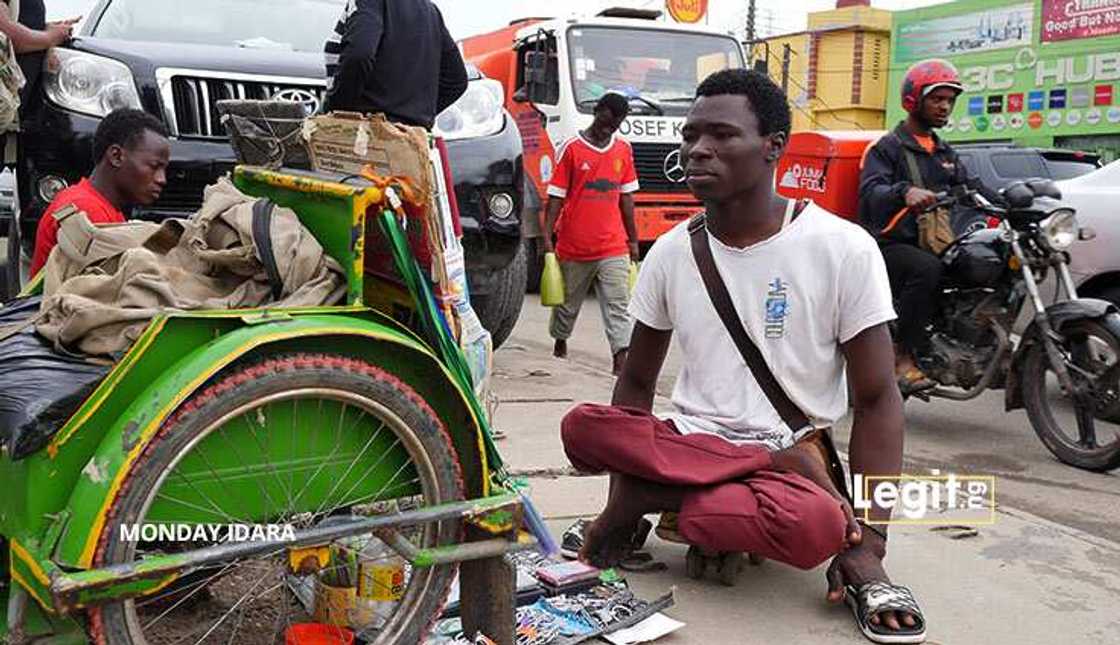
{"x": 734, "y": 502}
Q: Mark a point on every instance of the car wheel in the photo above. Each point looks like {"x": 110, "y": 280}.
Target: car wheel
{"x": 1111, "y": 294}
{"x": 500, "y": 309}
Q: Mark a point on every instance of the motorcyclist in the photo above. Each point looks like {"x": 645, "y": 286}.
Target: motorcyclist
{"x": 891, "y": 197}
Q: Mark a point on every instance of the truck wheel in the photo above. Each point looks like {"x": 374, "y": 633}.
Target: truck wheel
{"x": 500, "y": 309}
{"x": 292, "y": 440}
{"x": 536, "y": 266}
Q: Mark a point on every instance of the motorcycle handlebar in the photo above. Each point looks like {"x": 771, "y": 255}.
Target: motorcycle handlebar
{"x": 965, "y": 197}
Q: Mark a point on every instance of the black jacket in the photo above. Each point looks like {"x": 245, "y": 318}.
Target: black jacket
{"x": 884, "y": 180}
{"x": 395, "y": 57}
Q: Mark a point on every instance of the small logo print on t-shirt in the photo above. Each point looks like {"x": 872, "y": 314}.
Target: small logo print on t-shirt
{"x": 585, "y": 167}
{"x": 777, "y": 308}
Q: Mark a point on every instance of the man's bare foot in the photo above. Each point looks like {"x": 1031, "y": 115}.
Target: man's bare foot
{"x": 605, "y": 544}
{"x": 618, "y": 361}
{"x": 608, "y": 539}
{"x": 560, "y": 349}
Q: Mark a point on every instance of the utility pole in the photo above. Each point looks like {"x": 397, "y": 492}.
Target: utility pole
{"x": 750, "y": 29}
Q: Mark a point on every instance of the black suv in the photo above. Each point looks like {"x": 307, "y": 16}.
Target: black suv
{"x": 176, "y": 62}
{"x": 997, "y": 165}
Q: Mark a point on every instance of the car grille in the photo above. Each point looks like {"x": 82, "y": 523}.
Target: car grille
{"x": 649, "y": 159}
{"x": 183, "y": 192}
{"x": 195, "y": 99}
{"x": 185, "y": 197}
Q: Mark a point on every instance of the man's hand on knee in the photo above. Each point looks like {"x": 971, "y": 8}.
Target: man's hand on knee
{"x": 799, "y": 461}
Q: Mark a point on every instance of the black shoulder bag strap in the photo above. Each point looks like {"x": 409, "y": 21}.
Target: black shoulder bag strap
{"x": 912, "y": 168}
{"x": 262, "y": 238}
{"x": 721, "y": 300}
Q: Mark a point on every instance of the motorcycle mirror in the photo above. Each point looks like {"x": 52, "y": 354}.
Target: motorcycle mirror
{"x": 1044, "y": 188}
{"x": 1018, "y": 195}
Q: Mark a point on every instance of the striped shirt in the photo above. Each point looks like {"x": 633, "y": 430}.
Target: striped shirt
{"x": 393, "y": 57}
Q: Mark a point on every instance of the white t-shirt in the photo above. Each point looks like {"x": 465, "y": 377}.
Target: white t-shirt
{"x": 817, "y": 283}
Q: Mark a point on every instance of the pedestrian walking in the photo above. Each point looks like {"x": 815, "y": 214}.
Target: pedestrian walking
{"x": 591, "y": 212}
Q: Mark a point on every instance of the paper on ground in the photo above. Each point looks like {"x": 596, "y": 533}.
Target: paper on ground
{"x": 650, "y": 629}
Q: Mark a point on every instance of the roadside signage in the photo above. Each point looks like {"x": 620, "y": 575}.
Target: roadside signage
{"x": 1055, "y": 63}
{"x": 688, "y": 11}
{"x": 1077, "y": 19}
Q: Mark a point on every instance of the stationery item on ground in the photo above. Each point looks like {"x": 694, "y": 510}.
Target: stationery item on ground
{"x": 528, "y": 590}
{"x": 623, "y": 618}
{"x": 552, "y": 282}
{"x": 650, "y": 629}
{"x": 560, "y": 574}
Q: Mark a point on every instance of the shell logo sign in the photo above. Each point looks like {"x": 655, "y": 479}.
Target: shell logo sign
{"x": 687, "y": 10}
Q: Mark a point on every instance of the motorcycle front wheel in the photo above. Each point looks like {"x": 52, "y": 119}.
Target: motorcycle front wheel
{"x": 1081, "y": 432}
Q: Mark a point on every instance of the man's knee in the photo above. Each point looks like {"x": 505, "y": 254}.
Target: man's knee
{"x": 927, "y": 271}
{"x": 578, "y": 431}
{"x": 819, "y": 535}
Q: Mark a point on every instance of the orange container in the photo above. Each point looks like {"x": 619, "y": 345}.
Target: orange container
{"x": 318, "y": 634}
{"x": 824, "y": 167}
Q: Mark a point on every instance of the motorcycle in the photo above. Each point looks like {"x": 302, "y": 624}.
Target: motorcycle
{"x": 1064, "y": 368}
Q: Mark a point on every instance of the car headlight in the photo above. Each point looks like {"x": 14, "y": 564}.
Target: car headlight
{"x": 1060, "y": 229}
{"x": 89, "y": 84}
{"x": 477, "y": 113}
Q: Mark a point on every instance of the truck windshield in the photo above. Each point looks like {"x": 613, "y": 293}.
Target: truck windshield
{"x": 302, "y": 25}
{"x": 659, "y": 66}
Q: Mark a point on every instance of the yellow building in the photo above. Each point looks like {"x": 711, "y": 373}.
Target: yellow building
{"x": 835, "y": 73}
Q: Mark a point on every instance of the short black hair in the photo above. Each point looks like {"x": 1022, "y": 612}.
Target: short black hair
{"x": 615, "y": 103}
{"x": 124, "y": 127}
{"x": 769, "y": 102}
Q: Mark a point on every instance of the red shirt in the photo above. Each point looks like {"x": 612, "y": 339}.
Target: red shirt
{"x": 591, "y": 180}
{"x": 86, "y": 198}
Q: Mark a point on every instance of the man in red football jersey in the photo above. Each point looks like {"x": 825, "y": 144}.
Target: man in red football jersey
{"x": 591, "y": 211}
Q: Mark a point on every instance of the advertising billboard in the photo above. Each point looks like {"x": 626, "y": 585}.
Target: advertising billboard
{"x": 1074, "y": 19}
{"x": 1040, "y": 70}
{"x": 975, "y": 31}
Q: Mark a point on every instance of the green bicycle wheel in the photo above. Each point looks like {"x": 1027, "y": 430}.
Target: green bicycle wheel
{"x": 292, "y": 440}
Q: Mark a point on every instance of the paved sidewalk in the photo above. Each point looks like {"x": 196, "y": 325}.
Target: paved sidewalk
{"x": 1023, "y": 580}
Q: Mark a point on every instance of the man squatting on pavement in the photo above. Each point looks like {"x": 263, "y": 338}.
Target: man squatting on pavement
{"x": 812, "y": 291}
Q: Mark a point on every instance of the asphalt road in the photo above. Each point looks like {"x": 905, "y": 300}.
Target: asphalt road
{"x": 973, "y": 437}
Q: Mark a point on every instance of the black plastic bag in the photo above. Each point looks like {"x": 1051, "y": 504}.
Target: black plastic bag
{"x": 39, "y": 388}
